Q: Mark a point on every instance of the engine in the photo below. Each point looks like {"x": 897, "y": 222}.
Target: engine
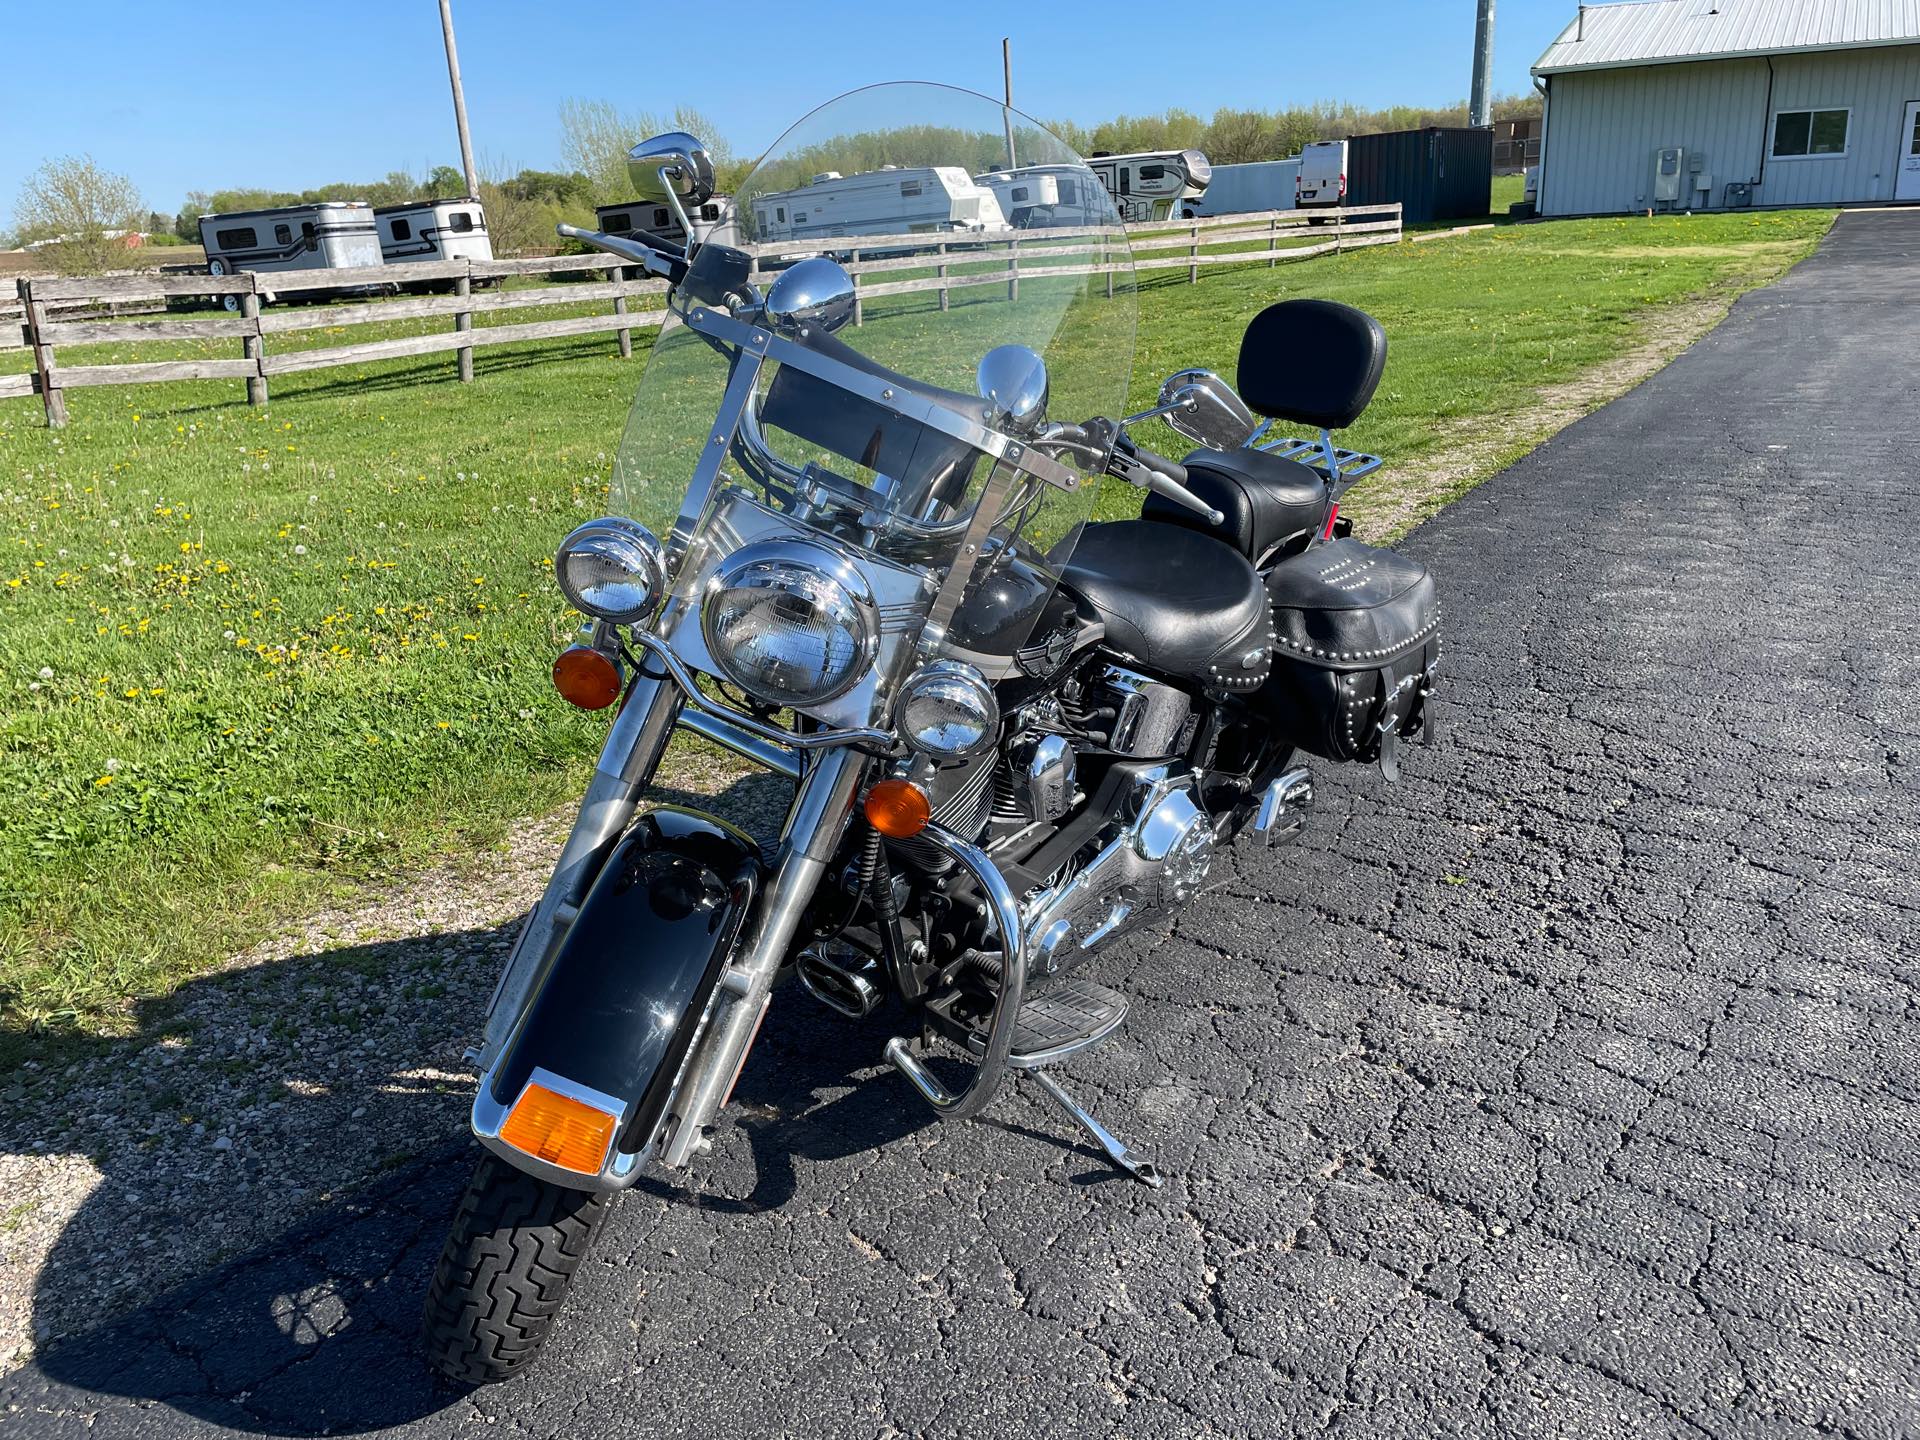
{"x": 1150, "y": 862}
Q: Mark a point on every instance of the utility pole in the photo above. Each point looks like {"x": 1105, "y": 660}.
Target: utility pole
{"x": 1480, "y": 108}
{"x": 460, "y": 97}
{"x": 1006, "y": 74}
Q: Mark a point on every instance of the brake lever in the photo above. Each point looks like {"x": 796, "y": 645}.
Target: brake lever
{"x": 1126, "y": 464}
{"x": 660, "y": 262}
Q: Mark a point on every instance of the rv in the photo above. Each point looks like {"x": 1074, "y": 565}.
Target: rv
{"x": 1323, "y": 175}
{"x": 1027, "y": 197}
{"x": 711, "y": 221}
{"x": 1156, "y": 185}
{"x": 424, "y": 230}
{"x": 923, "y": 200}
{"x": 1244, "y": 189}
{"x": 332, "y": 235}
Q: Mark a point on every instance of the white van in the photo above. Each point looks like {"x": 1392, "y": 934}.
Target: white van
{"x": 1323, "y": 175}
{"x": 1153, "y": 185}
{"x": 921, "y": 200}
{"x": 332, "y": 235}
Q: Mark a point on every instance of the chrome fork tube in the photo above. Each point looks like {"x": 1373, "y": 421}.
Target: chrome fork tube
{"x": 627, "y": 762}
{"x": 813, "y": 830}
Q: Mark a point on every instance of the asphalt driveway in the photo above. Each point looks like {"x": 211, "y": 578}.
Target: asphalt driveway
{"x": 1566, "y": 1088}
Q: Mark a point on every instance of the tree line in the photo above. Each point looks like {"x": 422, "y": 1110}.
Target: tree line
{"x": 89, "y": 208}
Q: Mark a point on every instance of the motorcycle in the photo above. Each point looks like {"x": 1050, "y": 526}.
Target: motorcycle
{"x": 853, "y": 540}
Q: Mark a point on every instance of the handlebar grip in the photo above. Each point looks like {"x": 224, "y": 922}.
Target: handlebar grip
{"x": 1162, "y": 467}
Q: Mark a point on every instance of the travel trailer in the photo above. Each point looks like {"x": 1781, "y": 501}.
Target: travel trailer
{"x": 1156, "y": 185}
{"x": 1250, "y": 188}
{"x": 928, "y": 199}
{"x": 1323, "y": 175}
{"x": 1027, "y": 197}
{"x": 713, "y": 220}
{"x": 425, "y": 230}
{"x": 285, "y": 240}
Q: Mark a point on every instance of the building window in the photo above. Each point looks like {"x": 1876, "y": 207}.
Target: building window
{"x": 1019, "y": 194}
{"x": 1159, "y": 172}
{"x": 307, "y": 231}
{"x": 241, "y": 239}
{"x": 909, "y": 188}
{"x": 709, "y": 212}
{"x": 283, "y": 234}
{"x": 402, "y": 230}
{"x": 460, "y": 222}
{"x": 618, "y": 224}
{"x": 781, "y": 214}
{"x": 1809, "y": 132}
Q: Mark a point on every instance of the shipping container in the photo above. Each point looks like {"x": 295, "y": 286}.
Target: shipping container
{"x": 1436, "y": 174}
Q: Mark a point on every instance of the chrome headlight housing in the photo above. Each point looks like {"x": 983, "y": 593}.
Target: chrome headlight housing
{"x": 791, "y": 622}
{"x": 947, "y": 711}
{"x": 612, "y": 569}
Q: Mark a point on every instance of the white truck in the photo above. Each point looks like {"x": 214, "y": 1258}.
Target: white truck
{"x": 1154, "y": 185}
{"x": 1322, "y": 183}
{"x": 919, "y": 200}
{"x": 1255, "y": 186}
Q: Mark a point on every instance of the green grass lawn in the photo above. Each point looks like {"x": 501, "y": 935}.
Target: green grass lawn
{"x": 252, "y": 658}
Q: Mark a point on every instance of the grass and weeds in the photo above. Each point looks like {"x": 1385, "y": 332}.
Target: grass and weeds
{"x": 252, "y": 658}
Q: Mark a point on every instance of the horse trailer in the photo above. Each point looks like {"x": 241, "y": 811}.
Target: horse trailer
{"x": 1154, "y": 185}
{"x": 711, "y": 221}
{"x": 288, "y": 239}
{"x": 428, "y": 230}
{"x": 921, "y": 200}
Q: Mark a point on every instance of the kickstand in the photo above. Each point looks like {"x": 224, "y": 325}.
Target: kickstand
{"x": 1141, "y": 1169}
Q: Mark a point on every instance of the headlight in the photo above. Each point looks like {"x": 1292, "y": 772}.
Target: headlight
{"x": 790, "y": 622}
{"x": 947, "y": 710}
{"x": 612, "y": 569}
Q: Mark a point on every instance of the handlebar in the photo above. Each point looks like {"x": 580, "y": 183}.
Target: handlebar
{"x": 1140, "y": 466}
{"x": 662, "y": 257}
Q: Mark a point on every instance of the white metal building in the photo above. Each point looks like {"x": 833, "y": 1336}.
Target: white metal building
{"x": 1704, "y": 104}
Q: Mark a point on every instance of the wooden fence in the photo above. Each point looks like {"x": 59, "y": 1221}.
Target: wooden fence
{"x": 879, "y": 269}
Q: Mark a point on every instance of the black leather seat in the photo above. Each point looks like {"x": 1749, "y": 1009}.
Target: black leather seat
{"x": 1175, "y": 601}
{"x": 1272, "y": 506}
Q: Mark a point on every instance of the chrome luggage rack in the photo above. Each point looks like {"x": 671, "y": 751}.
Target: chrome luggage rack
{"x": 1338, "y": 466}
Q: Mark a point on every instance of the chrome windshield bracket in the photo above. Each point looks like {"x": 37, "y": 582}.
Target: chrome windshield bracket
{"x": 741, "y": 379}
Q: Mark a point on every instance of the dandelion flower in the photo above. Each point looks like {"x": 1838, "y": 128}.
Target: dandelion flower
{"x": 46, "y": 672}
{"x": 112, "y": 767}
{"x": 299, "y": 549}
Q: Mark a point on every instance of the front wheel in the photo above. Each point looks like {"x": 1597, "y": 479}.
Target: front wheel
{"x": 509, "y": 1261}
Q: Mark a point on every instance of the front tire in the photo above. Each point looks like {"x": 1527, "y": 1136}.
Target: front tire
{"x": 510, "y": 1259}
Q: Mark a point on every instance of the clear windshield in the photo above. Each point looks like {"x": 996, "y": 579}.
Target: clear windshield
{"x": 857, "y": 421}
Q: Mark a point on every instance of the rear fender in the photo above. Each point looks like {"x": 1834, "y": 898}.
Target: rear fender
{"x": 612, "y": 1022}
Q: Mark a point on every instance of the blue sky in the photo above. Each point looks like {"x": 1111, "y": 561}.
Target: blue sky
{"x": 190, "y": 97}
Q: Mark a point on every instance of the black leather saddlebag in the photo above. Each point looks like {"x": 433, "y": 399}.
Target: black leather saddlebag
{"x": 1357, "y": 640}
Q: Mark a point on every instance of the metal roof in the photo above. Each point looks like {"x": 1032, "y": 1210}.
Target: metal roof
{"x": 1660, "y": 32}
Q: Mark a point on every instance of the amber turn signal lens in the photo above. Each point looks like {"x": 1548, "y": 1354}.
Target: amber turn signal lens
{"x": 586, "y": 678}
{"x": 897, "y": 809}
{"x": 559, "y": 1129}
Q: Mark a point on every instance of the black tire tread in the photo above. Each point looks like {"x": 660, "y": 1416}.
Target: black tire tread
{"x": 511, "y": 1254}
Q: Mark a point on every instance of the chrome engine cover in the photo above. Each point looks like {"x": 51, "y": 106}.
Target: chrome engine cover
{"x": 1154, "y": 861}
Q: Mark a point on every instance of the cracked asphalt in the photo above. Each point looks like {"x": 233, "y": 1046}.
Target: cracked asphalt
{"x": 1566, "y": 1088}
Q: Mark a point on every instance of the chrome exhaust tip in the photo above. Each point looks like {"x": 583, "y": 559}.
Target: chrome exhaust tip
{"x": 841, "y": 978}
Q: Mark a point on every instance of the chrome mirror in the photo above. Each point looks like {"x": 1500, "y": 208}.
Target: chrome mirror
{"x": 1013, "y": 381}
{"x": 1205, "y": 409}
{"x": 675, "y": 165}
{"x": 814, "y": 292}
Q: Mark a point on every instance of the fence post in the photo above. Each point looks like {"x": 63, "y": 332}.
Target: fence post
{"x": 946, "y": 298}
{"x": 1193, "y": 255}
{"x": 253, "y": 345}
{"x": 463, "y": 321}
{"x": 1273, "y": 241}
{"x": 625, "y": 337}
{"x": 1013, "y": 269}
{"x": 33, "y": 312}
{"x": 1339, "y": 223}
{"x": 854, "y": 274}
{"x": 1106, "y": 261}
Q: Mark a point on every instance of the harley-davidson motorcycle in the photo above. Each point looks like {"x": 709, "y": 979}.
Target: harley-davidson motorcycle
{"x": 853, "y": 541}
